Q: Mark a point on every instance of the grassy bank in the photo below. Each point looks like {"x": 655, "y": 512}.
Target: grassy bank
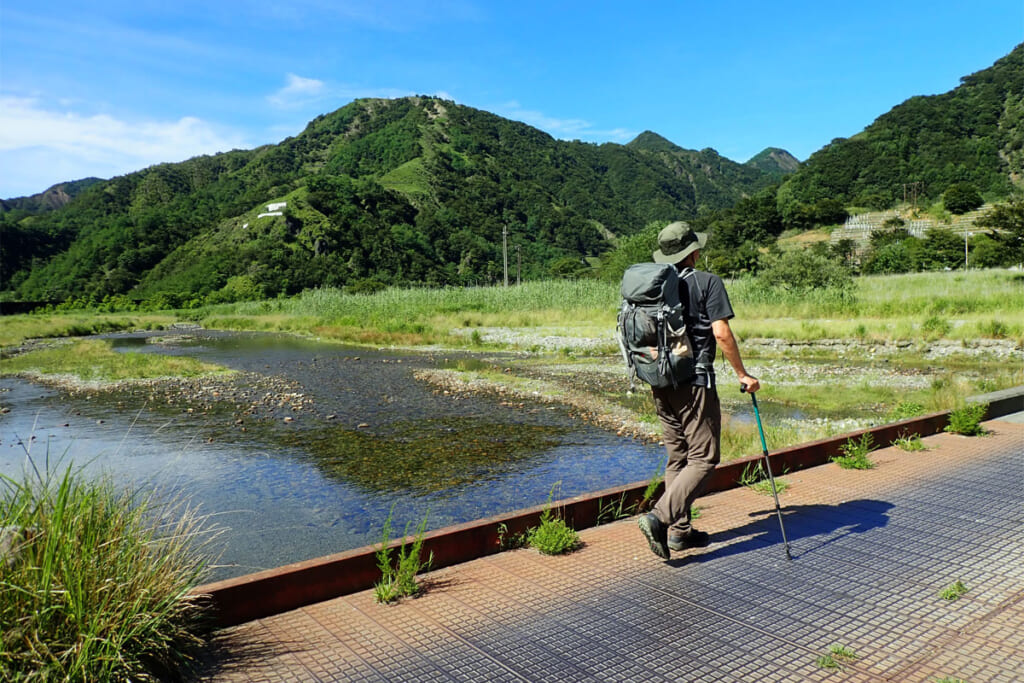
{"x": 984, "y": 304}
{"x": 955, "y": 306}
{"x": 94, "y": 360}
{"x": 94, "y": 582}
{"x": 17, "y": 328}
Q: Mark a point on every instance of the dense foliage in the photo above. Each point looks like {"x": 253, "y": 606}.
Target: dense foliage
{"x": 972, "y": 134}
{"x": 408, "y": 191}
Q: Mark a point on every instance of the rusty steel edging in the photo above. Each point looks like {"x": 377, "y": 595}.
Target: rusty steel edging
{"x": 291, "y": 586}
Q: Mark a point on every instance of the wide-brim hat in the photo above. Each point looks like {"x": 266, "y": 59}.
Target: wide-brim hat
{"x": 676, "y": 241}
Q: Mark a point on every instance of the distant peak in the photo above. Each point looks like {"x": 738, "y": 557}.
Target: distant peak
{"x": 651, "y": 141}
{"x": 775, "y": 161}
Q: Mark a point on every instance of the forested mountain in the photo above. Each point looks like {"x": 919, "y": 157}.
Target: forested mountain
{"x": 973, "y": 134}
{"x": 420, "y": 190}
{"x": 50, "y": 199}
{"x": 411, "y": 190}
{"x": 717, "y": 182}
{"x": 775, "y": 162}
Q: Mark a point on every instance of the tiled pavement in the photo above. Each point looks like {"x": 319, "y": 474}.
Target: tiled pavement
{"x": 871, "y": 549}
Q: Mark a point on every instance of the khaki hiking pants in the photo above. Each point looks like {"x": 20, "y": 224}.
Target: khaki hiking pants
{"x": 691, "y": 422}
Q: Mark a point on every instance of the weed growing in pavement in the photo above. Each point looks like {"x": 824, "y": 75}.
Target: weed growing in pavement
{"x": 836, "y": 657}
{"x": 507, "y": 541}
{"x": 614, "y": 509}
{"x": 855, "y": 454}
{"x": 756, "y": 479}
{"x": 910, "y": 443}
{"x": 949, "y": 679}
{"x": 398, "y": 578}
{"x": 967, "y": 420}
{"x": 953, "y": 591}
{"x": 553, "y": 536}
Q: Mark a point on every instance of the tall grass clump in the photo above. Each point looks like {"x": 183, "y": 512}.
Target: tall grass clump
{"x": 95, "y": 581}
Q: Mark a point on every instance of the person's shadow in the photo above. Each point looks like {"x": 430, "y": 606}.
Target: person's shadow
{"x": 809, "y": 529}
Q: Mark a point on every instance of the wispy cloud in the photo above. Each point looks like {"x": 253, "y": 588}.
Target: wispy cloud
{"x": 42, "y": 145}
{"x": 566, "y": 129}
{"x": 297, "y": 92}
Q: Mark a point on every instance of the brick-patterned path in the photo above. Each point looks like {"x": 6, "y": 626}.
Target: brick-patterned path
{"x": 872, "y": 550}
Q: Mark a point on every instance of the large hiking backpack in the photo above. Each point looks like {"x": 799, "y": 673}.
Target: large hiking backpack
{"x": 651, "y": 327}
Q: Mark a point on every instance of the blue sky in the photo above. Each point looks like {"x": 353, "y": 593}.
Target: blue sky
{"x": 108, "y": 87}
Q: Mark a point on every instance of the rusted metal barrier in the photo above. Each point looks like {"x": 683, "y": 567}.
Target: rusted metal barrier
{"x": 292, "y": 586}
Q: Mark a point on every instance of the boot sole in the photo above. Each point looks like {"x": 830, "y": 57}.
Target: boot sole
{"x": 657, "y": 547}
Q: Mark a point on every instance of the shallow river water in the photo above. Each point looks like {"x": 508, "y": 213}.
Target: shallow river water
{"x": 318, "y": 471}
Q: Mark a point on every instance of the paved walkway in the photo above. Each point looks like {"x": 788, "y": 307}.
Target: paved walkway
{"x": 872, "y": 549}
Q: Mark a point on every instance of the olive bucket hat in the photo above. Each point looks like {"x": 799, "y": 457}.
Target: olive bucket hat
{"x": 676, "y": 241}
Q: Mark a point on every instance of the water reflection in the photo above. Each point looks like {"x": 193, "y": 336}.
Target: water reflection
{"x": 292, "y": 484}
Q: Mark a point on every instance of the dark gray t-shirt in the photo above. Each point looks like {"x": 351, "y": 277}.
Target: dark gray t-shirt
{"x": 707, "y": 301}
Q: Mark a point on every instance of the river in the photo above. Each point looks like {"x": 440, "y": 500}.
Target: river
{"x": 323, "y": 445}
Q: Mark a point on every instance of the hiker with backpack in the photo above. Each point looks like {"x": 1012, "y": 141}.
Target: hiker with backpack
{"x": 672, "y": 321}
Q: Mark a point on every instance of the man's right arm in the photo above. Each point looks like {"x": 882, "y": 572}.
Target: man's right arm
{"x": 731, "y": 350}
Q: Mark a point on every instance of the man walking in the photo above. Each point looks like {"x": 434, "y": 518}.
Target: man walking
{"x": 690, "y": 414}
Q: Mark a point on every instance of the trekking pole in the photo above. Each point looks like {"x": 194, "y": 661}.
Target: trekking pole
{"x": 768, "y": 466}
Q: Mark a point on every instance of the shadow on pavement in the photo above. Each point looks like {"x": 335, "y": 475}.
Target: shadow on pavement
{"x": 809, "y": 528}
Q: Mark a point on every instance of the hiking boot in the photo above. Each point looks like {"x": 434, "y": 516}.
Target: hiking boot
{"x": 656, "y": 534}
{"x": 694, "y": 539}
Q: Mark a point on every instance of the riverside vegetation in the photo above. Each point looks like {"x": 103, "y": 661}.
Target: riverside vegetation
{"x": 563, "y": 333}
{"x": 95, "y": 581}
{"x": 962, "y": 327}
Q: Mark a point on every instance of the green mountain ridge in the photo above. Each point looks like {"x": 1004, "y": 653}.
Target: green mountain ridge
{"x": 410, "y": 190}
{"x": 971, "y": 134}
{"x": 423, "y": 191}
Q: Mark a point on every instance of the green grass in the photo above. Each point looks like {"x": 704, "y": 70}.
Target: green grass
{"x": 855, "y": 454}
{"x": 99, "y": 588}
{"x": 910, "y": 443}
{"x": 756, "y": 479}
{"x": 915, "y": 306}
{"x": 17, "y": 328}
{"x": 96, "y": 360}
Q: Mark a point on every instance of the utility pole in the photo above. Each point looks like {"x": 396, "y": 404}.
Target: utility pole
{"x": 504, "y": 249}
{"x": 519, "y": 265}
{"x": 966, "y": 236}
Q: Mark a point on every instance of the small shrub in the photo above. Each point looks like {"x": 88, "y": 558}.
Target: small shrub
{"x": 614, "y": 509}
{"x": 855, "y": 454}
{"x": 967, "y": 420}
{"x": 553, "y": 536}
{"x": 953, "y": 591}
